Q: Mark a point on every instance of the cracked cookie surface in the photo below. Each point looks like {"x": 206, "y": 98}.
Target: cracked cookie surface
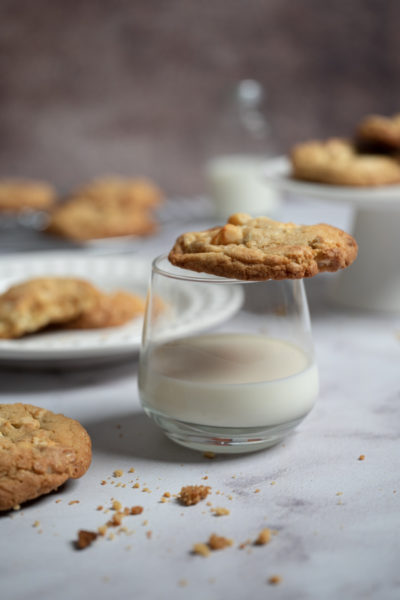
{"x": 39, "y": 451}
{"x": 337, "y": 162}
{"x": 260, "y": 248}
{"x": 34, "y": 304}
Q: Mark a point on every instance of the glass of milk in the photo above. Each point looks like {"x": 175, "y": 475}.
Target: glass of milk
{"x": 226, "y": 365}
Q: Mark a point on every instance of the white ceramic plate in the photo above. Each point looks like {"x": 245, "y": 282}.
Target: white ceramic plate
{"x": 278, "y": 173}
{"x": 198, "y": 309}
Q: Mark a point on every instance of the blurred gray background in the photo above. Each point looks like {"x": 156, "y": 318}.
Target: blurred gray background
{"x": 140, "y": 87}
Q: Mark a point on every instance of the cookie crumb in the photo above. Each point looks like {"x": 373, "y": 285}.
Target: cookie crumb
{"x": 116, "y": 505}
{"x": 182, "y": 582}
{"x": 100, "y": 507}
{"x": 275, "y": 580}
{"x": 205, "y": 477}
{"x": 131, "y": 470}
{"x": 136, "y": 510}
{"x": 209, "y": 455}
{"x": 58, "y": 501}
{"x": 136, "y": 485}
{"x": 257, "y": 491}
{"x": 361, "y": 457}
{"x": 192, "y": 494}
{"x": 118, "y": 473}
{"x": 103, "y": 482}
{"x": 167, "y": 495}
{"x": 73, "y": 502}
{"x": 219, "y": 511}
{"x": 36, "y": 524}
{"x": 102, "y": 530}
{"x": 85, "y": 538}
{"x": 273, "y": 483}
{"x": 264, "y": 537}
{"x": 201, "y": 549}
{"x": 149, "y": 534}
{"x": 339, "y": 493}
{"x": 217, "y": 542}
{"x": 116, "y": 519}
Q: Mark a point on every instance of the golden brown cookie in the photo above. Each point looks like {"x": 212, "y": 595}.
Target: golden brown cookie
{"x": 133, "y": 191}
{"x": 34, "y": 304}
{"x": 259, "y": 249}
{"x": 337, "y": 162}
{"x": 83, "y": 219}
{"x": 110, "y": 310}
{"x": 39, "y": 451}
{"x": 380, "y": 133}
{"x": 22, "y": 194}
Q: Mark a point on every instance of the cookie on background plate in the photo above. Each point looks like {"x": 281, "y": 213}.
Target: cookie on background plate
{"x": 39, "y": 451}
{"x": 136, "y": 191}
{"x": 337, "y": 162}
{"x": 82, "y": 219}
{"x": 380, "y": 133}
{"x": 260, "y": 249}
{"x": 22, "y": 194}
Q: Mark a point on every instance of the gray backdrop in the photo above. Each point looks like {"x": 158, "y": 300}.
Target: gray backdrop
{"x": 96, "y": 86}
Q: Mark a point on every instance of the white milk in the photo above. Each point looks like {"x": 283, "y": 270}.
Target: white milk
{"x": 235, "y": 183}
{"x": 229, "y": 380}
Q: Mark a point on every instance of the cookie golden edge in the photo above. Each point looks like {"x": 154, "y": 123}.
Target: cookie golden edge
{"x": 272, "y": 266}
{"x": 26, "y": 472}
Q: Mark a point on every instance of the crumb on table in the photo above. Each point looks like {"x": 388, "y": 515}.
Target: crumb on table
{"x": 264, "y": 537}
{"x": 192, "y": 494}
{"x": 217, "y": 542}
{"x": 85, "y": 538}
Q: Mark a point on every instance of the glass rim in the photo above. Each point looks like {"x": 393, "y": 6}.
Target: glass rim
{"x": 188, "y": 275}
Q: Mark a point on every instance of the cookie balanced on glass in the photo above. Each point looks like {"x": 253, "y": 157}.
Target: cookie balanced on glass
{"x": 227, "y": 362}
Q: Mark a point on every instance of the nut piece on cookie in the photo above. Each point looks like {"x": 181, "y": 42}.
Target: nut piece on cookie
{"x": 39, "y": 451}
{"x": 379, "y": 133}
{"x": 21, "y": 194}
{"x": 337, "y": 162}
{"x": 34, "y": 304}
{"x": 261, "y": 248}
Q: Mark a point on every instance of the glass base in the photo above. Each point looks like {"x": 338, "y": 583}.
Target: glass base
{"x": 222, "y": 440}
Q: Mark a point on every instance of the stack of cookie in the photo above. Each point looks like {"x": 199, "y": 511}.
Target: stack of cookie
{"x": 370, "y": 158}
{"x": 107, "y": 207}
{"x": 33, "y": 305}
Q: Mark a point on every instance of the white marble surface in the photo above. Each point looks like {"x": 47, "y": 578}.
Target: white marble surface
{"x": 337, "y": 518}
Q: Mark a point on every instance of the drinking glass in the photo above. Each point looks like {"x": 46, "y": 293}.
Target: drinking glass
{"x": 225, "y": 365}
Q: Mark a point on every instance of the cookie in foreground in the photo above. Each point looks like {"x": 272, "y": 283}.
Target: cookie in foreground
{"x": 260, "y": 248}
{"x": 39, "y": 451}
{"x": 337, "y": 162}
